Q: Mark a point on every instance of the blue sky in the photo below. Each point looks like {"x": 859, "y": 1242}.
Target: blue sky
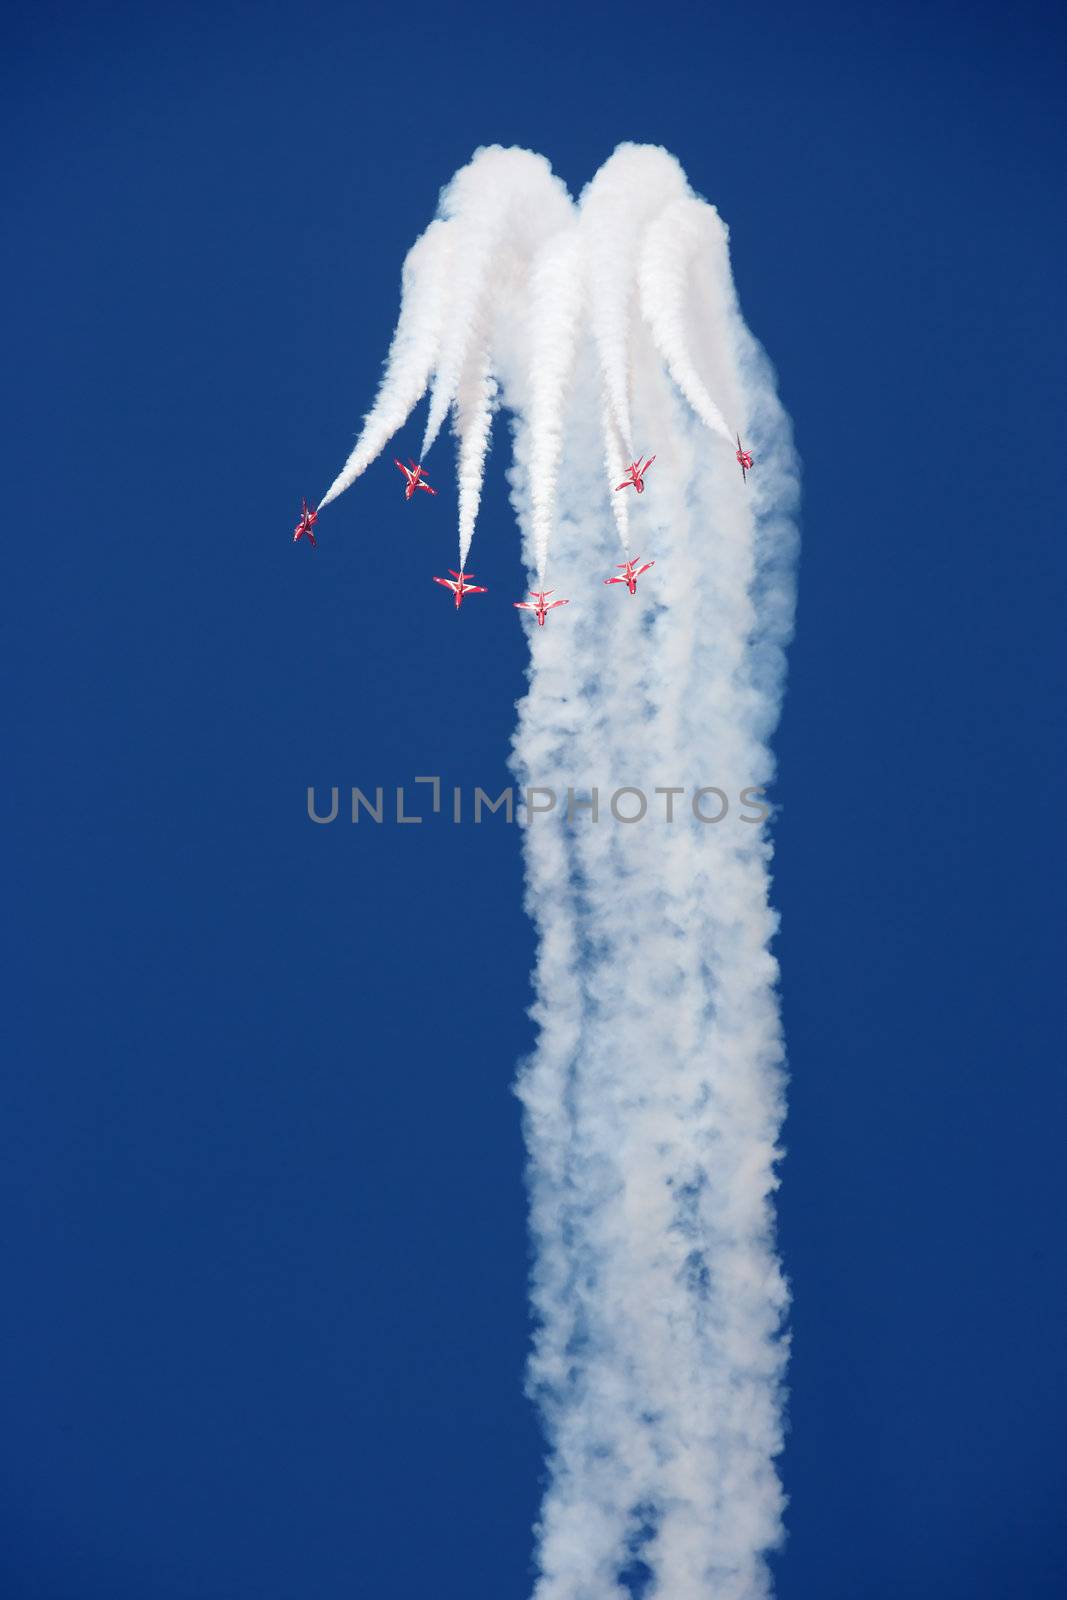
{"x": 263, "y": 1220}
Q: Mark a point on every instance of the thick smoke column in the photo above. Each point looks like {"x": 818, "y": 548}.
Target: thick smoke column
{"x": 653, "y": 1100}
{"x": 654, "y": 1097}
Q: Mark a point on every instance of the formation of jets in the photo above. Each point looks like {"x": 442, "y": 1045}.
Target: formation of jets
{"x": 459, "y": 583}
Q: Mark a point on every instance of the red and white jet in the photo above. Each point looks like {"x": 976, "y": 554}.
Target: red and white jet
{"x": 630, "y": 573}
{"x": 744, "y": 459}
{"x": 415, "y": 479}
{"x": 460, "y": 586}
{"x": 308, "y": 519}
{"x": 635, "y": 476}
{"x": 539, "y": 607}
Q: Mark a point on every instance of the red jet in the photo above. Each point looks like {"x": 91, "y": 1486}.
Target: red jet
{"x": 539, "y": 608}
{"x": 415, "y": 481}
{"x": 635, "y": 476}
{"x": 744, "y": 459}
{"x": 630, "y": 573}
{"x": 460, "y": 587}
{"x": 307, "y": 521}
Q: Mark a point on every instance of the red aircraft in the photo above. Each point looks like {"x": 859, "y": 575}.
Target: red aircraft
{"x": 415, "y": 481}
{"x": 744, "y": 459}
{"x": 307, "y": 521}
{"x": 630, "y": 573}
{"x": 460, "y": 587}
{"x": 635, "y": 476}
{"x": 539, "y": 608}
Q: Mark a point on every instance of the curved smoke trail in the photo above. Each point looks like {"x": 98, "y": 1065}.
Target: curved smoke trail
{"x": 672, "y": 245}
{"x": 654, "y": 1097}
{"x": 501, "y": 199}
{"x": 412, "y": 353}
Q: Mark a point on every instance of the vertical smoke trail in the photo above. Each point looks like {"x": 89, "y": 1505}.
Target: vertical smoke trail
{"x": 653, "y": 1100}
{"x": 473, "y": 413}
{"x": 616, "y": 466}
{"x": 470, "y": 287}
{"x": 556, "y": 302}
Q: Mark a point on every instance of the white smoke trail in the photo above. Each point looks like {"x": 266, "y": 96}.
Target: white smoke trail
{"x": 671, "y": 247}
{"x": 556, "y": 302}
{"x": 411, "y": 355}
{"x": 653, "y": 1100}
{"x": 616, "y": 472}
{"x": 500, "y": 200}
{"x": 475, "y": 399}
{"x": 631, "y": 187}
{"x": 468, "y": 272}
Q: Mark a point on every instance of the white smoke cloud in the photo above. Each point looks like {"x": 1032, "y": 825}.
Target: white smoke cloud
{"x": 653, "y": 1100}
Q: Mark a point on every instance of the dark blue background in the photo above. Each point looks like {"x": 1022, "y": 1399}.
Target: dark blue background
{"x": 263, "y": 1220}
